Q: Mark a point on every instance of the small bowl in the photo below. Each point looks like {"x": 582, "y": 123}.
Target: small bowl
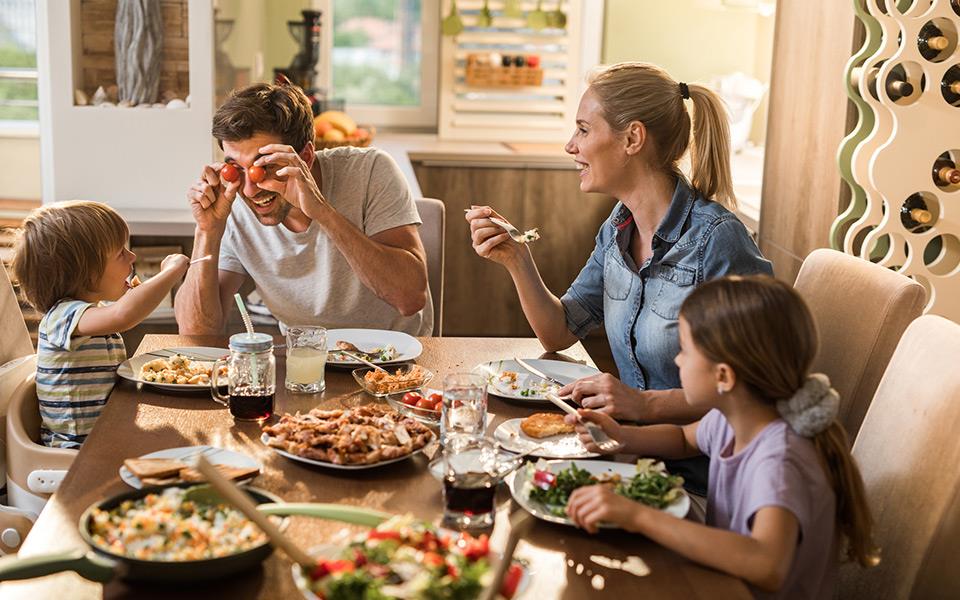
{"x": 425, "y": 416}
{"x": 382, "y": 390}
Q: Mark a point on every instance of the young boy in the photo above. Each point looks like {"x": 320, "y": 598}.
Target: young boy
{"x": 71, "y": 258}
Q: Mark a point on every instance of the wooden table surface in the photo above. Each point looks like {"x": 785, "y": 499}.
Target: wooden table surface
{"x": 138, "y": 421}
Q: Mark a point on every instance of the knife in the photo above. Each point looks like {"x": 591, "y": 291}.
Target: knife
{"x": 537, "y": 372}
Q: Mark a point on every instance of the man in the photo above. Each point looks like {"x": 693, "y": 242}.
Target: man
{"x": 329, "y": 239}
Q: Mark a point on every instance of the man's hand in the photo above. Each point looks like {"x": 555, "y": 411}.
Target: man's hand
{"x": 211, "y": 198}
{"x": 292, "y": 179}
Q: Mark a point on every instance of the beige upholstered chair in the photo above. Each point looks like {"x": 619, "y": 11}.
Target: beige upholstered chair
{"x": 15, "y": 341}
{"x": 909, "y": 451}
{"x": 432, "y": 232}
{"x": 861, "y": 309}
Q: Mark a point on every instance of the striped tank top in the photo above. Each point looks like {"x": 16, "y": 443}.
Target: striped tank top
{"x": 75, "y": 375}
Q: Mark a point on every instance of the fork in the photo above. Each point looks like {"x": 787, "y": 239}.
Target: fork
{"x": 515, "y": 234}
{"x": 604, "y": 442}
{"x": 164, "y": 353}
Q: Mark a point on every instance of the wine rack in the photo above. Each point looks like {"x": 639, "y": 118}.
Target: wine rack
{"x": 902, "y": 159}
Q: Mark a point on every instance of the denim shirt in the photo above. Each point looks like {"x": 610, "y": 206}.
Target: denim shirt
{"x": 697, "y": 240}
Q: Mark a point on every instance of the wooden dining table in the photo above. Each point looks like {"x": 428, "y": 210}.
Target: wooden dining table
{"x": 564, "y": 562}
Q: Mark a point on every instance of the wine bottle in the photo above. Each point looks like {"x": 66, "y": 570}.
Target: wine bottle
{"x": 945, "y": 171}
{"x": 915, "y": 215}
{"x": 932, "y": 41}
{"x": 950, "y": 86}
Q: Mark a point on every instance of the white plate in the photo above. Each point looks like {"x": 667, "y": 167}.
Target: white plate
{"x": 520, "y": 489}
{"x": 565, "y": 372}
{"x": 329, "y": 465}
{"x": 408, "y": 347}
{"x": 217, "y": 456}
{"x": 130, "y": 368}
{"x": 335, "y": 549}
{"x": 566, "y": 445}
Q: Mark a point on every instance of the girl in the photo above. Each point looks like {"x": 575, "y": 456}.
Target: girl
{"x": 665, "y": 236}
{"x": 784, "y": 492}
{"x": 72, "y": 257}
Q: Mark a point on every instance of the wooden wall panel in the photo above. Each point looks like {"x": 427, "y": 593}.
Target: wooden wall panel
{"x": 808, "y": 118}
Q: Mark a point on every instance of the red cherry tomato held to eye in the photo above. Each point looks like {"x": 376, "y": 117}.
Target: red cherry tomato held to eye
{"x": 411, "y": 398}
{"x": 229, "y": 173}
{"x": 256, "y": 174}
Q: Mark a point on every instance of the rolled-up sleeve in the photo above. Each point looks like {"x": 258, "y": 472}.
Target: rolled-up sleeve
{"x": 583, "y": 302}
{"x": 728, "y": 249}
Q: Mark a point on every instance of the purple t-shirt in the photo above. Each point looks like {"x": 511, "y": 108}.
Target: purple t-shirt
{"x": 777, "y": 468}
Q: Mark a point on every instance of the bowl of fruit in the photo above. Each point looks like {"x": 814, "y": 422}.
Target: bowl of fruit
{"x": 423, "y": 405}
{"x": 334, "y": 128}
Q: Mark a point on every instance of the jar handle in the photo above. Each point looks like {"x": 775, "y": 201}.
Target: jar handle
{"x": 215, "y": 384}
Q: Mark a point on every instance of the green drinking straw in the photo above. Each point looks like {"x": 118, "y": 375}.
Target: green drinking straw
{"x": 249, "y": 325}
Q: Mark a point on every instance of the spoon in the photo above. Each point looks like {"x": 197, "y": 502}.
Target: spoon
{"x": 359, "y": 359}
{"x": 452, "y": 24}
{"x": 233, "y": 495}
{"x": 537, "y": 19}
{"x": 201, "y": 259}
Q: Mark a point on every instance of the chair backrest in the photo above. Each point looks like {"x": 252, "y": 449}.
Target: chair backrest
{"x": 861, "y": 310}
{"x": 908, "y": 453}
{"x": 15, "y": 341}
{"x": 432, "y": 233}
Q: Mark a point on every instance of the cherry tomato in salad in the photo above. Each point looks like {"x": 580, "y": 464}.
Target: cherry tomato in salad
{"x": 256, "y": 174}
{"x": 474, "y": 548}
{"x": 230, "y": 173}
{"x": 511, "y": 581}
{"x": 426, "y": 404}
{"x": 432, "y": 559}
{"x": 411, "y": 398}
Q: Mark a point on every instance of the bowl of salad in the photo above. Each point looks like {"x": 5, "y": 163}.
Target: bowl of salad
{"x": 543, "y": 488}
{"x": 406, "y": 558}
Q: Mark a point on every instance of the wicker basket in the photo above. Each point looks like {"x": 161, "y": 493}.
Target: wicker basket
{"x": 359, "y": 143}
{"x": 489, "y": 76}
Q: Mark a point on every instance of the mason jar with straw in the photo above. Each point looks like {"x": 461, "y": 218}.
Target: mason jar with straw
{"x": 251, "y": 373}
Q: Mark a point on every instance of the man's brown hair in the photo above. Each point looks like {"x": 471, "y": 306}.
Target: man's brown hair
{"x": 281, "y": 110}
{"x": 63, "y": 248}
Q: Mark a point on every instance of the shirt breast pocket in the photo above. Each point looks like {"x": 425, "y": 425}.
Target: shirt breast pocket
{"x": 617, "y": 279}
{"x": 676, "y": 283}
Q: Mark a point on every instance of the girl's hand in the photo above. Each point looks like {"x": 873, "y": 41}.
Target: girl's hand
{"x": 609, "y": 426}
{"x": 491, "y": 241}
{"x": 291, "y": 178}
{"x": 211, "y": 197}
{"x": 605, "y": 393}
{"x": 594, "y": 504}
{"x": 175, "y": 262}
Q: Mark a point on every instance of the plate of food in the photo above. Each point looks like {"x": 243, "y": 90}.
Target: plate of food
{"x": 378, "y": 346}
{"x": 507, "y": 379}
{"x": 185, "y": 369}
{"x": 543, "y": 488}
{"x": 424, "y": 405}
{"x": 547, "y": 430}
{"x": 175, "y": 465}
{"x": 398, "y": 380}
{"x": 406, "y": 558}
{"x": 352, "y": 439}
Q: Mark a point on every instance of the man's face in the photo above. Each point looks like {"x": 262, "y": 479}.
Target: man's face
{"x": 269, "y": 207}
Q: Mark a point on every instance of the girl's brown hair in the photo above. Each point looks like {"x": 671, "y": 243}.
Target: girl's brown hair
{"x": 62, "y": 250}
{"x": 637, "y": 91}
{"x": 763, "y": 329}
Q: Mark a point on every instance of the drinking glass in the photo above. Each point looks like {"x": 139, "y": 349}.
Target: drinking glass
{"x": 464, "y": 405}
{"x": 470, "y": 476}
{"x": 306, "y": 359}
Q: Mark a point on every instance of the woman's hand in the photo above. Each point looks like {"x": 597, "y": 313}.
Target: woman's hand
{"x": 607, "y": 394}
{"x": 211, "y": 198}
{"x": 594, "y": 504}
{"x": 609, "y": 426}
{"x": 291, "y": 178}
{"x": 491, "y": 241}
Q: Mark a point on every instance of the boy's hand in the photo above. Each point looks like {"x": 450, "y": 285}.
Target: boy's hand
{"x": 175, "y": 262}
{"x": 609, "y": 426}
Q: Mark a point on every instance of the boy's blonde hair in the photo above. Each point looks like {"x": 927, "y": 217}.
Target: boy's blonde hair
{"x": 63, "y": 248}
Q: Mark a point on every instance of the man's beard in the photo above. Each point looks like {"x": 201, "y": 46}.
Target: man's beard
{"x": 272, "y": 218}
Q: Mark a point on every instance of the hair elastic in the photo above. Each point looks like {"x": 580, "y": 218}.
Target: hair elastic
{"x": 684, "y": 91}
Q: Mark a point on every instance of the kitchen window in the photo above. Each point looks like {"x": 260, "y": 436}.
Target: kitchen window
{"x": 381, "y": 57}
{"x": 18, "y": 67}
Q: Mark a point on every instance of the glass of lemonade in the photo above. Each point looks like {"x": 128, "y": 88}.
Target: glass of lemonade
{"x": 306, "y": 359}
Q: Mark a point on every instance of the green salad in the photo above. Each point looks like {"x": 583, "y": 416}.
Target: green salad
{"x": 651, "y": 485}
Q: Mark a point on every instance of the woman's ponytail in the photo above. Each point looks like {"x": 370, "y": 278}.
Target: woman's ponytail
{"x": 710, "y": 151}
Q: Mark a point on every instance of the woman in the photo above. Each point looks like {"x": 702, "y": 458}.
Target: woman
{"x": 665, "y": 236}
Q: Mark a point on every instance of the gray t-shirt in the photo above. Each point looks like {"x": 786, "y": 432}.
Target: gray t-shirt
{"x": 777, "y": 468}
{"x": 302, "y": 277}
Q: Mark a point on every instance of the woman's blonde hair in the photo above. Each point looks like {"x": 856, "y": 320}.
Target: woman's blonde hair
{"x": 763, "y": 329}
{"x": 637, "y": 91}
{"x": 62, "y": 250}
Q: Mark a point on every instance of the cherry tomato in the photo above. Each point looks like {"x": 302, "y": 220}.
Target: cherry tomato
{"x": 426, "y": 403}
{"x": 544, "y": 479}
{"x": 437, "y": 399}
{"x": 411, "y": 398}
{"x": 474, "y": 548}
{"x": 256, "y": 174}
{"x": 389, "y": 534}
{"x": 229, "y": 173}
{"x": 432, "y": 559}
{"x": 511, "y": 580}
